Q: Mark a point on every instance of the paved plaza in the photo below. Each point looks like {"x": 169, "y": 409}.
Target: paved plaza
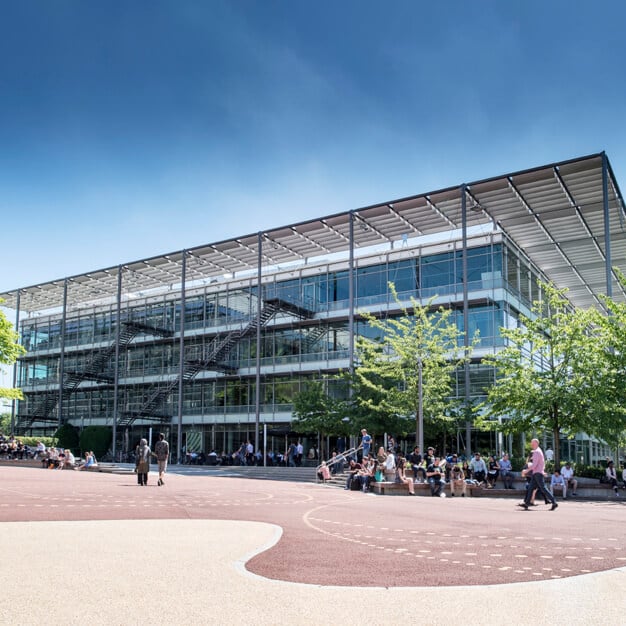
{"x": 98, "y": 548}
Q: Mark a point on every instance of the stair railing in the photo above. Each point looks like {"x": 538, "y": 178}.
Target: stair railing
{"x": 352, "y": 452}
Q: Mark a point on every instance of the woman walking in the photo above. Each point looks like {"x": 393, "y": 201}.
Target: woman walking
{"x": 142, "y": 462}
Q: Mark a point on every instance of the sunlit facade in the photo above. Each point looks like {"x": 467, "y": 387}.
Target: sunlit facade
{"x": 183, "y": 342}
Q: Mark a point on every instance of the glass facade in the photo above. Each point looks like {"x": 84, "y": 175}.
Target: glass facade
{"x": 297, "y": 344}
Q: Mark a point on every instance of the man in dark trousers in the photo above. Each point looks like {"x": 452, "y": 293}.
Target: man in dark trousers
{"x": 433, "y": 471}
{"x": 162, "y": 454}
{"x": 536, "y": 468}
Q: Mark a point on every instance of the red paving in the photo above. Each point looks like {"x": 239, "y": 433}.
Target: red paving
{"x": 337, "y": 537}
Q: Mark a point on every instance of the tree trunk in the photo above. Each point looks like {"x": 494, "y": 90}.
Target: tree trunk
{"x": 557, "y": 447}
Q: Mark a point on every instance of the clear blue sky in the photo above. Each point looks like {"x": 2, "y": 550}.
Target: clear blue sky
{"x": 130, "y": 129}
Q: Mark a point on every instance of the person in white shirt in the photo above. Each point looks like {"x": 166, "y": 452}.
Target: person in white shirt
{"x": 479, "y": 469}
{"x": 390, "y": 464}
{"x": 41, "y": 450}
{"x": 611, "y": 476}
{"x": 568, "y": 476}
{"x": 624, "y": 476}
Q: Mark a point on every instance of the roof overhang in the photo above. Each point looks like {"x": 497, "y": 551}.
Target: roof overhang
{"x": 555, "y": 214}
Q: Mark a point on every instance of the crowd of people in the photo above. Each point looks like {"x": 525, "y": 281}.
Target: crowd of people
{"x": 51, "y": 457}
{"x": 63, "y": 458}
{"x": 362, "y": 471}
{"x": 455, "y": 471}
{"x": 392, "y": 466}
{"x": 246, "y": 455}
{"x": 12, "y": 448}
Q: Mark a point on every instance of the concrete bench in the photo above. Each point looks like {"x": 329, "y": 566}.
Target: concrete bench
{"x": 394, "y": 488}
{"x": 391, "y": 487}
{"x": 423, "y": 489}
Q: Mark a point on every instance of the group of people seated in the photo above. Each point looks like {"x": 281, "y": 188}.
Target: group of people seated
{"x": 12, "y": 448}
{"x": 59, "y": 458}
{"x": 564, "y": 480}
{"x": 392, "y": 466}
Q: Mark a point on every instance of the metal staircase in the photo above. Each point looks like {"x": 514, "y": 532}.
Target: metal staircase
{"x": 313, "y": 337}
{"x": 212, "y": 356}
{"x": 42, "y": 411}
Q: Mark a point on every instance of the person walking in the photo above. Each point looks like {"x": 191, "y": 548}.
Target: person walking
{"x": 535, "y": 470}
{"x": 162, "y": 454}
{"x": 142, "y": 462}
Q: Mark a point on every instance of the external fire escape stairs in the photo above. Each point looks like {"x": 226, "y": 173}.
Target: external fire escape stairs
{"x": 211, "y": 357}
{"x": 312, "y": 337}
{"x": 43, "y": 410}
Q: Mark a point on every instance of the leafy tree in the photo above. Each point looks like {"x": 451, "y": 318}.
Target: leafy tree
{"x": 96, "y": 438}
{"x": 316, "y": 411}
{"x": 610, "y": 378}
{"x": 10, "y": 350}
{"x": 423, "y": 345}
{"x": 545, "y": 373}
{"x": 366, "y": 406}
{"x": 5, "y": 423}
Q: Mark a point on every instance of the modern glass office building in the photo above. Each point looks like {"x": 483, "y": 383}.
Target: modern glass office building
{"x": 211, "y": 343}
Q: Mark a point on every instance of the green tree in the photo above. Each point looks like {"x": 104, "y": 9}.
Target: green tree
{"x": 545, "y": 373}
{"x": 610, "y": 377}
{"x": 315, "y": 410}
{"x": 366, "y": 406}
{"x": 10, "y": 350}
{"x": 411, "y": 364}
{"x": 5, "y": 423}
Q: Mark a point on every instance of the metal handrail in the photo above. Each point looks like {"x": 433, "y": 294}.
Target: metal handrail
{"x": 340, "y": 457}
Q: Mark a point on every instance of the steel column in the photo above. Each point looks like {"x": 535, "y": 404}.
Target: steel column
{"x": 62, "y": 357}
{"x": 116, "y": 365}
{"x": 607, "y": 226}
{"x": 466, "y": 369}
{"x": 351, "y": 298}
{"x": 181, "y": 359}
{"x": 15, "y": 365}
{"x": 259, "y": 300}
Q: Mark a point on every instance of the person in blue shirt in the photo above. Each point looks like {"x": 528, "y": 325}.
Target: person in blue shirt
{"x": 366, "y": 442}
{"x": 506, "y": 471}
{"x": 558, "y": 481}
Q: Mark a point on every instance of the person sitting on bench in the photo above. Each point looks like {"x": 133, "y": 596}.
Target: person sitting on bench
{"x": 479, "y": 469}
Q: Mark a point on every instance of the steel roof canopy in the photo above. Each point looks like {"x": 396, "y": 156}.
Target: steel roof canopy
{"x": 554, "y": 213}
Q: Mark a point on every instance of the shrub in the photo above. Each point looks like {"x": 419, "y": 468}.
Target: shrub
{"x": 67, "y": 437}
{"x": 518, "y": 463}
{"x": 31, "y": 442}
{"x": 589, "y": 471}
{"x": 96, "y": 438}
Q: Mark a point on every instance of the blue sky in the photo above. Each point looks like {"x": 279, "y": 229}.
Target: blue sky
{"x": 130, "y": 129}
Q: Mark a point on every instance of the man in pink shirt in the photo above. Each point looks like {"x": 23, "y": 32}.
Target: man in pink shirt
{"x": 535, "y": 470}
